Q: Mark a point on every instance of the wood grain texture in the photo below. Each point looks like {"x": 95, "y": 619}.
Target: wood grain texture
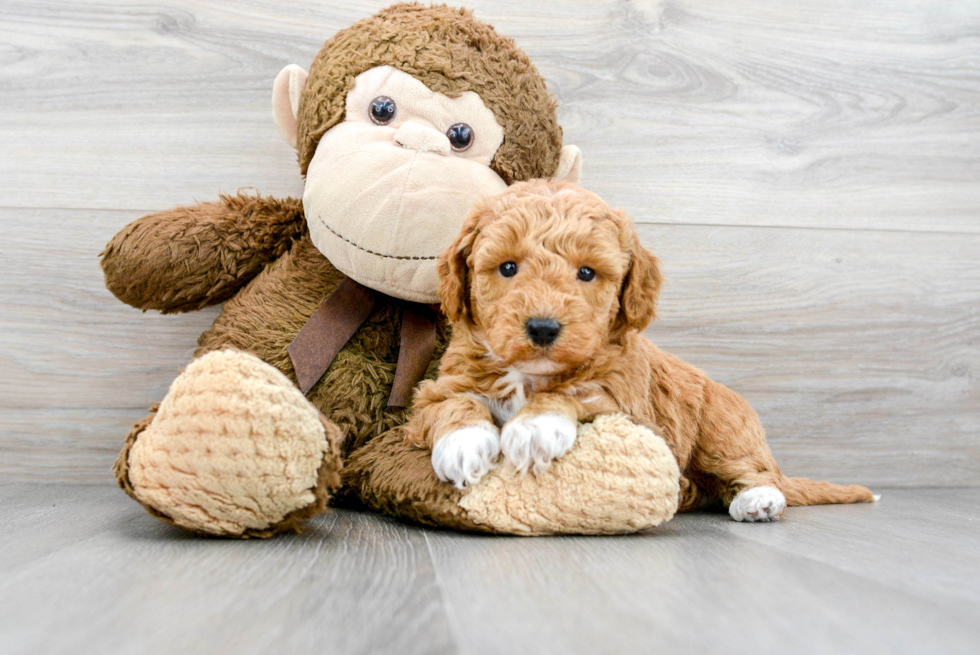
{"x": 838, "y": 114}
{"x": 931, "y": 539}
{"x": 857, "y": 349}
{"x": 700, "y": 583}
{"x": 808, "y": 174}
{"x": 351, "y": 584}
{"x": 86, "y": 570}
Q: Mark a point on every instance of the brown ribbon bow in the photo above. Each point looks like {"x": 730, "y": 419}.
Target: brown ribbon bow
{"x": 338, "y": 318}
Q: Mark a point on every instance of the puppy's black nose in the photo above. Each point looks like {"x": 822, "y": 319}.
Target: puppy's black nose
{"x": 542, "y": 331}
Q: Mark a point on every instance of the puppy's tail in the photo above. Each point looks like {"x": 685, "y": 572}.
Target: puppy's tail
{"x": 801, "y": 491}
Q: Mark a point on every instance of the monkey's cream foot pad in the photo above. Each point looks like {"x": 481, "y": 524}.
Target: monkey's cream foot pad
{"x": 617, "y": 478}
{"x": 234, "y": 449}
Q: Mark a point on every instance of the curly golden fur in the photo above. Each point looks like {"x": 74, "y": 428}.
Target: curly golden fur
{"x": 599, "y": 363}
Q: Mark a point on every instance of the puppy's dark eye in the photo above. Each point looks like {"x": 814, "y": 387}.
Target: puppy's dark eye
{"x": 586, "y": 274}
{"x": 508, "y": 269}
{"x": 460, "y": 136}
{"x": 383, "y": 110}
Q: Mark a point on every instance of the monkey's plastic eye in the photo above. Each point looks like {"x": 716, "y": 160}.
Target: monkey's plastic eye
{"x": 586, "y": 274}
{"x": 508, "y": 269}
{"x": 460, "y": 136}
{"x": 383, "y": 110}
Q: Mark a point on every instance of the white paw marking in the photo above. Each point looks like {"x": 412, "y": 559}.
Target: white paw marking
{"x": 466, "y": 455}
{"x": 537, "y": 440}
{"x": 758, "y": 504}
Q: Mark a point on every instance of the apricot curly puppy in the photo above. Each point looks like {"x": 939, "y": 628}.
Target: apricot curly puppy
{"x": 548, "y": 289}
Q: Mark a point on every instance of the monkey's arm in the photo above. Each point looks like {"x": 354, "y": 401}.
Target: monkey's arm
{"x": 190, "y": 257}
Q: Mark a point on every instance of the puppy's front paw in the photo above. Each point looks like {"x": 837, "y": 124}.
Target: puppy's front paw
{"x": 758, "y": 504}
{"x": 537, "y": 440}
{"x": 466, "y": 455}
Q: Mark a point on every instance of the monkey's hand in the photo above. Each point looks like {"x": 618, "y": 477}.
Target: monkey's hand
{"x": 190, "y": 257}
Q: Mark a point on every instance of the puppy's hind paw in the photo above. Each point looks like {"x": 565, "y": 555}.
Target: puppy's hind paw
{"x": 537, "y": 440}
{"x": 466, "y": 455}
{"x": 757, "y": 505}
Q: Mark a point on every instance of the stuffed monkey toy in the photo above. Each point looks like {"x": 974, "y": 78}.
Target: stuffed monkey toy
{"x": 297, "y": 393}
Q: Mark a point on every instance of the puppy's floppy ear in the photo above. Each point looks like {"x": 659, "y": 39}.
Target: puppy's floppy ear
{"x": 641, "y": 285}
{"x": 454, "y": 274}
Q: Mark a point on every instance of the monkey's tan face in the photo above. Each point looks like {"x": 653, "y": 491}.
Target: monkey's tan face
{"x": 388, "y": 188}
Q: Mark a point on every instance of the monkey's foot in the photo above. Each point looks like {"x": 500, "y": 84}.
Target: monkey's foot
{"x": 618, "y": 477}
{"x": 235, "y": 450}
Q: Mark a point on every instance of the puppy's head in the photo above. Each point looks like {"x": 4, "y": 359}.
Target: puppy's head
{"x": 546, "y": 274}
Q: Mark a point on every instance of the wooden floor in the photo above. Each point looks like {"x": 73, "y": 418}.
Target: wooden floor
{"x": 83, "y": 569}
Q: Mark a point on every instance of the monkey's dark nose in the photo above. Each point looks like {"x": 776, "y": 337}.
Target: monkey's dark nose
{"x": 542, "y": 331}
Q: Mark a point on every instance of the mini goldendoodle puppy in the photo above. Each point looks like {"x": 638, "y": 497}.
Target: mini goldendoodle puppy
{"x": 548, "y": 289}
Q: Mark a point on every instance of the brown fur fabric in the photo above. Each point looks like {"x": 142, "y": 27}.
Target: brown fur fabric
{"x": 191, "y": 257}
{"x": 121, "y": 467}
{"x": 265, "y": 316}
{"x": 397, "y": 479}
{"x": 450, "y": 52}
{"x": 599, "y": 363}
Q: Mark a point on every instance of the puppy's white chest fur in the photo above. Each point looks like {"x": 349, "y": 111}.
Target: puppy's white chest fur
{"x": 503, "y": 410}
{"x": 510, "y": 395}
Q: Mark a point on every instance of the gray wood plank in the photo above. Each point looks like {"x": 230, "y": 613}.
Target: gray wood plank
{"x": 59, "y": 319}
{"x": 352, "y": 584}
{"x": 84, "y": 568}
{"x": 844, "y": 114}
{"x": 58, "y": 445}
{"x": 847, "y": 115}
{"x": 703, "y": 584}
{"x": 924, "y": 542}
{"x": 857, "y": 348}
{"x": 38, "y": 520}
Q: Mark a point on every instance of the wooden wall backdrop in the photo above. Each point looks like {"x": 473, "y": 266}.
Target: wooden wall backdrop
{"x": 808, "y": 172}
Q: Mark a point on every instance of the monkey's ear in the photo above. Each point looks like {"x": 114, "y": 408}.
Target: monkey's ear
{"x": 285, "y": 100}
{"x": 569, "y": 165}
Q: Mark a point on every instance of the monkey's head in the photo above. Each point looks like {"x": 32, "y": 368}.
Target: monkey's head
{"x": 405, "y": 120}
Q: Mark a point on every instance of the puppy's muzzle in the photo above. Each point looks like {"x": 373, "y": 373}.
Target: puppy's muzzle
{"x": 542, "y": 331}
